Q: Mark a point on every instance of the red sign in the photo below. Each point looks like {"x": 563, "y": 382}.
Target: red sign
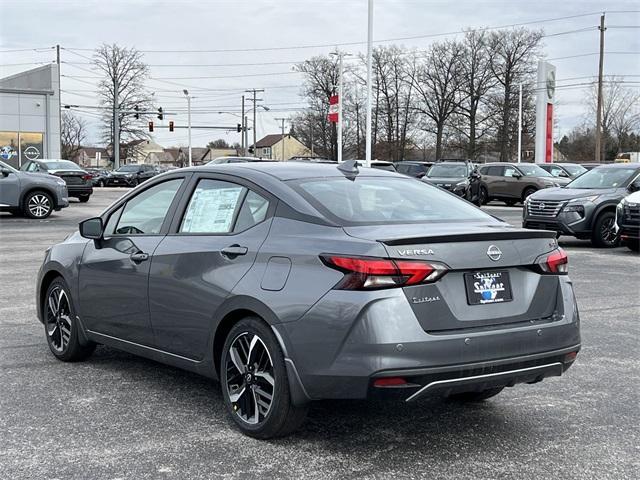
{"x": 548, "y": 151}
{"x": 333, "y": 109}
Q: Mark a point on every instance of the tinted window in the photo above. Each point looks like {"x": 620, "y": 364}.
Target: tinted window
{"x": 495, "y": 171}
{"x": 603, "y": 177}
{"x": 484, "y": 170}
{"x": 575, "y": 169}
{"x": 145, "y": 213}
{"x": 62, "y": 165}
{"x": 368, "y": 200}
{"x": 403, "y": 168}
{"x": 212, "y": 207}
{"x": 253, "y": 211}
{"x": 448, "y": 170}
{"x": 531, "y": 170}
{"x": 128, "y": 168}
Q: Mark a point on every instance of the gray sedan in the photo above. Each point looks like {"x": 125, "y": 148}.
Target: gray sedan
{"x": 293, "y": 282}
{"x": 35, "y": 195}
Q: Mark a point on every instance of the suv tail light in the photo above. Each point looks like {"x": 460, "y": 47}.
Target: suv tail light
{"x": 556, "y": 262}
{"x": 87, "y": 176}
{"x": 367, "y": 273}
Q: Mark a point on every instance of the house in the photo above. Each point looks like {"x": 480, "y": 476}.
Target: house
{"x": 180, "y": 155}
{"x": 137, "y": 151}
{"x": 271, "y": 147}
{"x": 92, "y": 157}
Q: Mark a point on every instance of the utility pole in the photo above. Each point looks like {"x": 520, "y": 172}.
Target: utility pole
{"x": 186, "y": 92}
{"x": 340, "y": 56}
{"x": 116, "y": 126}
{"x": 246, "y": 133}
{"x": 369, "y": 75}
{"x": 312, "y": 154}
{"x": 59, "y": 104}
{"x": 282, "y": 120}
{"x": 244, "y": 125}
{"x": 255, "y": 104}
{"x": 520, "y": 124}
{"x": 599, "y": 103}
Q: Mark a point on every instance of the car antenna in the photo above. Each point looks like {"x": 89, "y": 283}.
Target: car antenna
{"x": 349, "y": 167}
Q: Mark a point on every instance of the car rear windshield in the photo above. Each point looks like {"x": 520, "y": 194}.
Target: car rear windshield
{"x": 574, "y": 169}
{"x": 62, "y": 165}
{"x": 603, "y": 177}
{"x": 533, "y": 171}
{"x": 129, "y": 168}
{"x": 450, "y": 170}
{"x": 380, "y": 200}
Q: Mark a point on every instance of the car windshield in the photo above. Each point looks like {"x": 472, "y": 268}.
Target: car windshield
{"x": 603, "y": 177}
{"x": 531, "y": 170}
{"x": 375, "y": 200}
{"x": 128, "y": 168}
{"x": 8, "y": 167}
{"x": 574, "y": 170}
{"x": 62, "y": 165}
{"x": 450, "y": 170}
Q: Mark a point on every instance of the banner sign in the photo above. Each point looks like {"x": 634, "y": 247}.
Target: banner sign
{"x": 333, "y": 109}
{"x": 545, "y": 98}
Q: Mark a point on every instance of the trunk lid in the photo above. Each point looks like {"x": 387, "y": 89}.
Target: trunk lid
{"x": 446, "y": 305}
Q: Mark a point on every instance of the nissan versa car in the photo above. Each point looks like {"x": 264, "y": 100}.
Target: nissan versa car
{"x": 293, "y": 282}
{"x": 34, "y": 195}
{"x": 514, "y": 182}
{"x": 79, "y": 182}
{"x": 586, "y": 207}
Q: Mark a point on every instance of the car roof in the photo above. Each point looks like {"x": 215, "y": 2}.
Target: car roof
{"x": 617, "y": 165}
{"x": 289, "y": 170}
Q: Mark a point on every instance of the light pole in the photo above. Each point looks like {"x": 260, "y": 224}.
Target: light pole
{"x": 340, "y": 56}
{"x": 520, "y": 124}
{"x": 282, "y": 120}
{"x": 369, "y": 75}
{"x": 186, "y": 92}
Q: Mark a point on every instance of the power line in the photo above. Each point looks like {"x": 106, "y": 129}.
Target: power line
{"x": 593, "y": 53}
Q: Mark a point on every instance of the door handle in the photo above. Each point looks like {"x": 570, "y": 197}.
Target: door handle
{"x": 233, "y": 251}
{"x": 139, "y": 257}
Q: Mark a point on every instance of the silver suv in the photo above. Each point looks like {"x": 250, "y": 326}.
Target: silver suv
{"x": 35, "y": 195}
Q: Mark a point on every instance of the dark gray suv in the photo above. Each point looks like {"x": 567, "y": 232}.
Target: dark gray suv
{"x": 292, "y": 282}
{"x": 586, "y": 207}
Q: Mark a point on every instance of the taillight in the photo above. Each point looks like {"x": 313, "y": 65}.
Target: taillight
{"x": 372, "y": 273}
{"x": 555, "y": 262}
{"x": 87, "y": 177}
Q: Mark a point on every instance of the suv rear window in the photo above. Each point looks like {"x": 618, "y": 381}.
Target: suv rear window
{"x": 375, "y": 200}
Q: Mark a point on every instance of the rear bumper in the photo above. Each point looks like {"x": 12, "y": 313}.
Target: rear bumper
{"x": 119, "y": 182}
{"x": 76, "y": 190}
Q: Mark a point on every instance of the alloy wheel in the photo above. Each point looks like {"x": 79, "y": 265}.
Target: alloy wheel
{"x": 58, "y": 319}
{"x": 250, "y": 380}
{"x": 608, "y": 231}
{"x": 39, "y": 205}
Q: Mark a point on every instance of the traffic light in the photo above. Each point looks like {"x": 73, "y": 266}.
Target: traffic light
{"x": 151, "y": 126}
{"x": 171, "y": 125}
{"x": 239, "y": 129}
{"x": 160, "y": 115}
{"x": 250, "y": 149}
{"x": 137, "y": 115}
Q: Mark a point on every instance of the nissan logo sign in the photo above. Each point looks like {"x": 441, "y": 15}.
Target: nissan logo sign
{"x": 494, "y": 253}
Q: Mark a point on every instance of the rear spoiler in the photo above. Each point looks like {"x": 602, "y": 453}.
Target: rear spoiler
{"x": 473, "y": 237}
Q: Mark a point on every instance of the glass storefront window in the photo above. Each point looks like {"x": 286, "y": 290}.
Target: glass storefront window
{"x": 9, "y": 148}
{"x": 19, "y": 147}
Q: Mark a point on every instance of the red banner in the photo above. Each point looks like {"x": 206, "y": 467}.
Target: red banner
{"x": 548, "y": 154}
{"x": 333, "y": 109}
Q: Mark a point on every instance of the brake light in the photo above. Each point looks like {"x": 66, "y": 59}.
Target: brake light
{"x": 371, "y": 273}
{"x": 87, "y": 177}
{"x": 555, "y": 262}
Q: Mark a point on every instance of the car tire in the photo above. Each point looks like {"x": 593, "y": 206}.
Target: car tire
{"x": 61, "y": 326}
{"x": 604, "y": 234}
{"x": 528, "y": 191}
{"x": 38, "y": 205}
{"x": 84, "y": 198}
{"x": 254, "y": 382}
{"x": 475, "y": 396}
{"x": 101, "y": 183}
{"x": 510, "y": 203}
{"x": 483, "y": 196}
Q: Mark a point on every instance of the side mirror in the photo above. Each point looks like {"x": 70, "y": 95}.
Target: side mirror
{"x": 92, "y": 228}
{"x": 5, "y": 172}
{"x": 516, "y": 175}
{"x": 634, "y": 187}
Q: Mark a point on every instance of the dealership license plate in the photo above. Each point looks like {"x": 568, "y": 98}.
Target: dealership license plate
{"x": 488, "y": 287}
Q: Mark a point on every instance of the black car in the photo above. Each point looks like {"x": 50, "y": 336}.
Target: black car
{"x": 457, "y": 176}
{"x": 98, "y": 176}
{"x": 79, "y": 183}
{"x": 586, "y": 207}
{"x": 563, "y": 170}
{"x": 414, "y": 169}
{"x": 130, "y": 175}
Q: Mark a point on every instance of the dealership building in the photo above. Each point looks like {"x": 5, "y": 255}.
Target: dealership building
{"x": 30, "y": 115}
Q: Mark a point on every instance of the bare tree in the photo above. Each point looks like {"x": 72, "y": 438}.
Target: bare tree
{"x": 514, "y": 53}
{"x": 437, "y": 84}
{"x": 125, "y": 66}
{"x": 73, "y": 135}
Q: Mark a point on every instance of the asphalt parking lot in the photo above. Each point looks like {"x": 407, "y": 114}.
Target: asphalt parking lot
{"x": 119, "y": 416}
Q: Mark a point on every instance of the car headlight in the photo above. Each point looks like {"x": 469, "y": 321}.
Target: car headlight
{"x": 60, "y": 181}
{"x": 462, "y": 184}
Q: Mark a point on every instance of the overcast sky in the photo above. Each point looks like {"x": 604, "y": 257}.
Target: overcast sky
{"x": 262, "y": 24}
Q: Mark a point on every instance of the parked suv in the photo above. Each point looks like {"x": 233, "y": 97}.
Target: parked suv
{"x": 456, "y": 176}
{"x": 130, "y": 175}
{"x": 35, "y": 195}
{"x": 564, "y": 170}
{"x": 628, "y": 221}
{"x": 79, "y": 182}
{"x": 414, "y": 169}
{"x": 513, "y": 182}
{"x": 586, "y": 207}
